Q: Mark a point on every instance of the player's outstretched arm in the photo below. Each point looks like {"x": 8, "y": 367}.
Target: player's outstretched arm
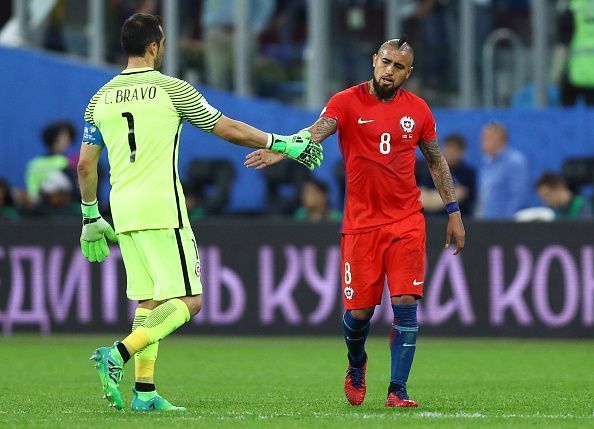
{"x": 440, "y": 172}
{"x": 240, "y": 133}
{"x": 320, "y": 130}
{"x": 299, "y": 147}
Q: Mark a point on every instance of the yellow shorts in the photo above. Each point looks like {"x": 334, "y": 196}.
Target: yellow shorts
{"x": 160, "y": 263}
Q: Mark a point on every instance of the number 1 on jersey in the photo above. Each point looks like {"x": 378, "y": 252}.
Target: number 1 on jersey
{"x": 131, "y": 137}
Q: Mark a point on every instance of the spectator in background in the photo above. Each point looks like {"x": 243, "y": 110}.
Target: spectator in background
{"x": 118, "y": 12}
{"x": 279, "y": 67}
{"x": 425, "y": 23}
{"x": 573, "y": 58}
{"x": 314, "y": 203}
{"x": 357, "y": 29}
{"x": 67, "y": 27}
{"x": 8, "y": 211}
{"x": 218, "y": 22}
{"x": 56, "y": 197}
{"x": 504, "y": 179}
{"x": 464, "y": 176}
{"x": 554, "y": 192}
{"x": 57, "y": 138}
{"x": 515, "y": 15}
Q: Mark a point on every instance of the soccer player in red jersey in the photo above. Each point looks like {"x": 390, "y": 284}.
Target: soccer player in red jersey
{"x": 379, "y": 127}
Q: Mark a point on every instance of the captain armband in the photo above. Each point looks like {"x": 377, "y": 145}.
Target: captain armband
{"x": 92, "y": 135}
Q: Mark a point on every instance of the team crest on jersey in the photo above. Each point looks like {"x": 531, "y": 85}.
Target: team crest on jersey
{"x": 407, "y": 124}
{"x": 349, "y": 292}
{"x": 197, "y": 269}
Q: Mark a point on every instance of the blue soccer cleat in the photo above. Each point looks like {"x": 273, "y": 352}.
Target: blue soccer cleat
{"x": 156, "y": 403}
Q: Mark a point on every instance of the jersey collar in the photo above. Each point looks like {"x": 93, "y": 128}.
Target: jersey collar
{"x": 137, "y": 70}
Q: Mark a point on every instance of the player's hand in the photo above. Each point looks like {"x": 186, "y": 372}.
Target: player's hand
{"x": 455, "y": 231}
{"x": 95, "y": 230}
{"x": 300, "y": 147}
{"x": 262, "y": 158}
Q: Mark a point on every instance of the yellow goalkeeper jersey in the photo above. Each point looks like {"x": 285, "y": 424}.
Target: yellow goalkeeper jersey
{"x": 139, "y": 115}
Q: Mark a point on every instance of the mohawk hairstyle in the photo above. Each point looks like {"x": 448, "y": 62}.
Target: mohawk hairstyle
{"x": 400, "y": 44}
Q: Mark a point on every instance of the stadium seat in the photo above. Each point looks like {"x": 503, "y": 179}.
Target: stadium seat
{"x": 209, "y": 182}
{"x": 283, "y": 185}
{"x": 578, "y": 172}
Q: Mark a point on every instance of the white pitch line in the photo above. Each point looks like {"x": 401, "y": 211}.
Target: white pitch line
{"x": 420, "y": 415}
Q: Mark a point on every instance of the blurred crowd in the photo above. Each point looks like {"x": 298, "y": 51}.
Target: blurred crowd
{"x": 499, "y": 188}
{"x": 277, "y": 43}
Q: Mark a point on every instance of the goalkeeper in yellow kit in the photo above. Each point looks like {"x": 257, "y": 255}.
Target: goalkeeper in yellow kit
{"x": 138, "y": 116}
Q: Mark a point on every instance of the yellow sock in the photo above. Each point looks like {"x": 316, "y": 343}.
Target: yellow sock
{"x": 144, "y": 370}
{"x": 136, "y": 341}
{"x": 144, "y": 360}
{"x": 162, "y": 321}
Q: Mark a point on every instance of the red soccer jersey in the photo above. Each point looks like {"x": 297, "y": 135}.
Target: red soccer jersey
{"x": 377, "y": 141}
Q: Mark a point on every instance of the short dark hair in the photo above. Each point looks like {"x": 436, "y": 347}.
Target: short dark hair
{"x": 551, "y": 180}
{"x": 51, "y": 131}
{"x": 457, "y": 140}
{"x": 496, "y": 125}
{"x": 139, "y": 31}
{"x": 319, "y": 184}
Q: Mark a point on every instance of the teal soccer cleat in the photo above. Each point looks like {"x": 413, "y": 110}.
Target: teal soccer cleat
{"x": 154, "y": 403}
{"x": 110, "y": 367}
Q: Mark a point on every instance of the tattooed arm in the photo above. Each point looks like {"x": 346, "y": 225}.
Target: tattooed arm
{"x": 440, "y": 172}
{"x": 320, "y": 130}
{"x": 323, "y": 128}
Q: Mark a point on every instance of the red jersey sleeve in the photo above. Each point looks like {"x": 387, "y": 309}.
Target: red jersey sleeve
{"x": 335, "y": 108}
{"x": 429, "y": 130}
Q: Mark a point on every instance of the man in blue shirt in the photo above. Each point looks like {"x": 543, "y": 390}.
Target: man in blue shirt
{"x": 504, "y": 180}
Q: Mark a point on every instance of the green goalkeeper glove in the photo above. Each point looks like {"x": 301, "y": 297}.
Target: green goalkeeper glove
{"x": 299, "y": 147}
{"x": 95, "y": 229}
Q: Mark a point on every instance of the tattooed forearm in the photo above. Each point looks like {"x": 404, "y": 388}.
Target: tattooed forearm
{"x": 440, "y": 172}
{"x": 324, "y": 127}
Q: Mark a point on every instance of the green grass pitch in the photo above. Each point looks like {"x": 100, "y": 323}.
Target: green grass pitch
{"x": 297, "y": 383}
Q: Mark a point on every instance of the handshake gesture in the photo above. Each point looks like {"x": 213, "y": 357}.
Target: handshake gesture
{"x": 298, "y": 146}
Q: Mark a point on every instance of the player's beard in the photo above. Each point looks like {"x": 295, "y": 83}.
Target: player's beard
{"x": 159, "y": 60}
{"x": 382, "y": 92}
